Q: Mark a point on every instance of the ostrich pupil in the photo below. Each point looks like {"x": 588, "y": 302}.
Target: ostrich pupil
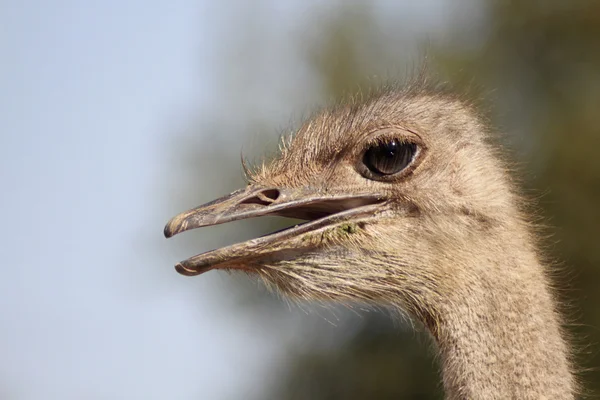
{"x": 390, "y": 157}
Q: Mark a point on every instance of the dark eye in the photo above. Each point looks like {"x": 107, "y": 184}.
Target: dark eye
{"x": 389, "y": 157}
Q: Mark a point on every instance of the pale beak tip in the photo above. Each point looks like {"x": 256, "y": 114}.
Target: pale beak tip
{"x": 186, "y": 271}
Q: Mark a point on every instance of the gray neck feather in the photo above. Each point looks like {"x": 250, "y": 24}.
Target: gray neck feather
{"x": 502, "y": 339}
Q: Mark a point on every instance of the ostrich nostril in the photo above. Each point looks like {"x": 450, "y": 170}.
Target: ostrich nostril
{"x": 264, "y": 197}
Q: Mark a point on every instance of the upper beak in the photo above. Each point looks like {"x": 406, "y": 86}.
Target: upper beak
{"x": 320, "y": 209}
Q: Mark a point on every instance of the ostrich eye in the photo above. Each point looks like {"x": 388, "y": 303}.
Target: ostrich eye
{"x": 390, "y": 157}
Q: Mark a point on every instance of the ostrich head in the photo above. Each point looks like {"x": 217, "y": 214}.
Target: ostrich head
{"x": 398, "y": 192}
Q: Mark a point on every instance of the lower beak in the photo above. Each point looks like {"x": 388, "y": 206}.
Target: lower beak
{"x": 321, "y": 210}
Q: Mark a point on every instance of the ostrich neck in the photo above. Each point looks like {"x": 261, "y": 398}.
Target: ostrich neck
{"x": 500, "y": 337}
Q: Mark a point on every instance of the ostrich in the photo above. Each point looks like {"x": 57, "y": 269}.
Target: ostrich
{"x": 407, "y": 205}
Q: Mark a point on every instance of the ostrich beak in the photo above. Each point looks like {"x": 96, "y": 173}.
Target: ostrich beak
{"x": 322, "y": 211}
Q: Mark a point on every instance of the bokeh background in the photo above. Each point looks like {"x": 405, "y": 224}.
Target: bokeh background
{"x": 114, "y": 116}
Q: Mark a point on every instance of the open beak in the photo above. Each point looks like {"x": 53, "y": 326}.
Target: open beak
{"x": 323, "y": 211}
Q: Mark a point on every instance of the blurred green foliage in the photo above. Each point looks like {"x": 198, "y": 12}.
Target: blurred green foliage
{"x": 535, "y": 69}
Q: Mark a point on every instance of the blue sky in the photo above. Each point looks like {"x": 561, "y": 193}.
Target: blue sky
{"x": 90, "y": 306}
